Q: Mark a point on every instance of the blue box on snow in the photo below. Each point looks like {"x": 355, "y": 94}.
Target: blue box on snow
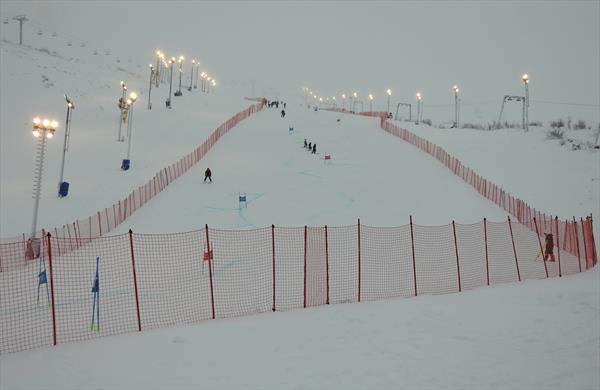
{"x": 63, "y": 190}
{"x": 125, "y": 164}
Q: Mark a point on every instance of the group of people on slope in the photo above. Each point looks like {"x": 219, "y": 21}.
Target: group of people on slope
{"x": 310, "y": 146}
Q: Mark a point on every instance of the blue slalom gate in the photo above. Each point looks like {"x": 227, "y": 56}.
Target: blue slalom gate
{"x": 42, "y": 279}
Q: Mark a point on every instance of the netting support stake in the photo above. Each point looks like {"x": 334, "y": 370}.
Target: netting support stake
{"x": 327, "y": 264}
{"x": 359, "y": 265}
{"x": 414, "y": 264}
{"x": 273, "y": 249}
{"x": 212, "y": 295}
{"x": 52, "y": 290}
{"x": 558, "y": 246}
{"x": 135, "y": 286}
{"x": 457, "y": 262}
{"x": 541, "y": 248}
{"x": 514, "y": 249}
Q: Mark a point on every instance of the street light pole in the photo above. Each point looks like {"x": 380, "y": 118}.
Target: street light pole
{"x": 197, "y": 71}
{"x": 419, "y": 108}
{"x": 370, "y": 102}
{"x": 171, "y": 63}
{"x": 157, "y": 71}
{"x": 389, "y": 93}
{"x": 150, "y": 88}
{"x": 42, "y": 129}
{"x": 354, "y": 97}
{"x": 127, "y": 162}
{"x": 343, "y": 101}
{"x": 456, "y": 91}
{"x": 63, "y": 187}
{"x": 21, "y": 19}
{"x": 122, "y": 108}
{"x": 525, "y": 79}
{"x": 179, "y": 93}
{"x": 192, "y": 75}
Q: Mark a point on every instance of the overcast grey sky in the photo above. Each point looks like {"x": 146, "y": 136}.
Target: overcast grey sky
{"x": 344, "y": 46}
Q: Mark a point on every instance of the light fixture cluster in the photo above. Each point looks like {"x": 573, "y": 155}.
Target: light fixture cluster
{"x": 45, "y": 127}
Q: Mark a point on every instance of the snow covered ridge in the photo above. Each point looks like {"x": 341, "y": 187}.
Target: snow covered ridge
{"x": 534, "y": 219}
{"x": 134, "y": 282}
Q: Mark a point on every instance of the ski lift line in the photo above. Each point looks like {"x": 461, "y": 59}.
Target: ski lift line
{"x": 62, "y": 33}
{"x": 567, "y": 104}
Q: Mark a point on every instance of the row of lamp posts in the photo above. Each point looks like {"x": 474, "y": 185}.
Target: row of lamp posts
{"x": 44, "y": 129}
{"x": 457, "y": 100}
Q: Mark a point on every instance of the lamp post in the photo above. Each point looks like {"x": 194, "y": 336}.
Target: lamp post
{"x": 456, "y": 91}
{"x": 63, "y": 186}
{"x": 525, "y": 79}
{"x": 42, "y": 129}
{"x": 343, "y": 101}
{"x": 163, "y": 70}
{"x": 150, "y": 88}
{"x": 178, "y": 92}
{"x": 171, "y": 63}
{"x": 334, "y": 102}
{"x": 371, "y": 102}
{"x": 389, "y": 93}
{"x": 419, "y": 107}
{"x": 122, "y": 109}
{"x": 156, "y": 72}
{"x": 127, "y": 162}
{"x": 197, "y": 71}
{"x": 354, "y": 97}
{"x": 192, "y": 74}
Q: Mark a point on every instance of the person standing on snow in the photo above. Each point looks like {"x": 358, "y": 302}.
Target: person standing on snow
{"x": 282, "y": 113}
{"x": 305, "y": 144}
{"x": 549, "y": 248}
{"x": 207, "y": 175}
{"x": 314, "y": 149}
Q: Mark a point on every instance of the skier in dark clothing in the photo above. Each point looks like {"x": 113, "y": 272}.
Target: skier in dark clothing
{"x": 207, "y": 175}
{"x": 305, "y": 144}
{"x": 314, "y": 149}
{"x": 284, "y": 104}
{"x": 310, "y": 146}
{"x": 549, "y": 248}
{"x": 282, "y": 113}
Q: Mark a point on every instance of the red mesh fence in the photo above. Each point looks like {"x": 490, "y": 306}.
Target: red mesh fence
{"x": 132, "y": 282}
{"x": 289, "y": 268}
{"x": 343, "y": 264}
{"x": 242, "y": 274}
{"x": 386, "y": 260}
{"x": 316, "y": 267}
{"x": 172, "y": 277}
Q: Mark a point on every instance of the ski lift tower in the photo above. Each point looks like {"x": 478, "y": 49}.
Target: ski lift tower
{"x": 508, "y": 98}
{"x": 21, "y": 19}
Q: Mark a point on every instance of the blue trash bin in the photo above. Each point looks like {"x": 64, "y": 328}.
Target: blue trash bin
{"x": 63, "y": 190}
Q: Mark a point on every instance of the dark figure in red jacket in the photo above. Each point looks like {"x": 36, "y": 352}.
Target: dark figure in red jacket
{"x": 549, "y": 249}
